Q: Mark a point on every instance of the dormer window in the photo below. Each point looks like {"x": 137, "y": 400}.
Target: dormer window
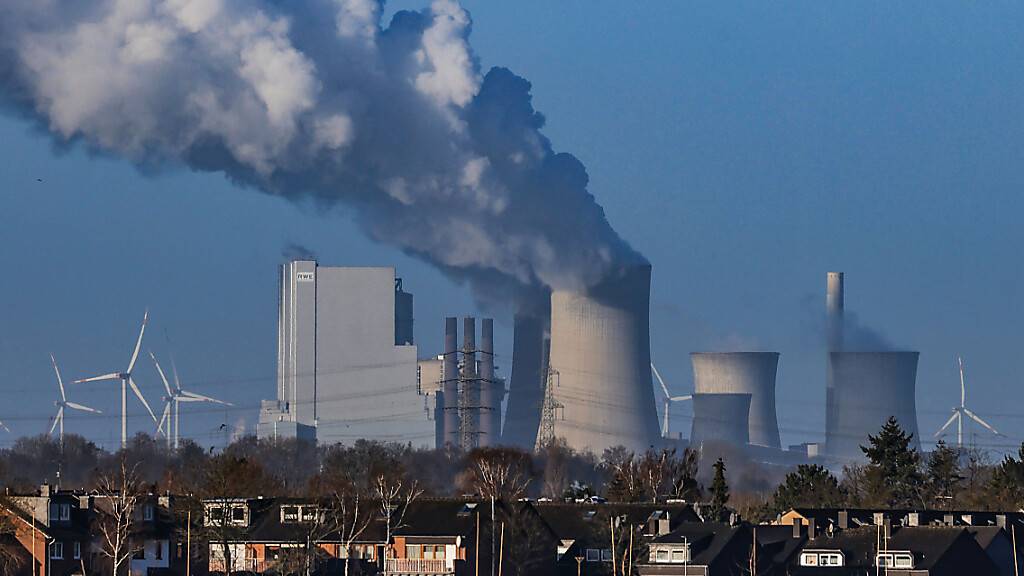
{"x": 289, "y": 514}
{"x": 147, "y": 512}
{"x": 826, "y": 558}
{"x": 670, "y": 553}
{"x": 894, "y": 560}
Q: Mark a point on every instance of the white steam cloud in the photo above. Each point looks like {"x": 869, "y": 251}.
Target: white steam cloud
{"x": 318, "y": 99}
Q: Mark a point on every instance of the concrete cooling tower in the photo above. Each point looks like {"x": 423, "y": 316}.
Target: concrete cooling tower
{"x": 526, "y": 389}
{"x": 750, "y": 373}
{"x": 868, "y": 388}
{"x": 600, "y": 362}
{"x": 720, "y": 419}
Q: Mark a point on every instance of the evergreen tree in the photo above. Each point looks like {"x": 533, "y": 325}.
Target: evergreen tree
{"x": 893, "y": 474}
{"x": 719, "y": 493}
{"x": 1007, "y": 485}
{"x": 810, "y": 486}
{"x": 942, "y": 477}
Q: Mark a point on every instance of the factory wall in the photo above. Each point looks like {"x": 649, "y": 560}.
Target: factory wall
{"x": 868, "y": 388}
{"x": 743, "y": 373}
{"x": 600, "y": 362}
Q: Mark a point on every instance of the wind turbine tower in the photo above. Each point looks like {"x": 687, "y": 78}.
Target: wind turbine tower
{"x": 669, "y": 399}
{"x": 126, "y": 381}
{"x": 961, "y": 412}
{"x": 175, "y": 396}
{"x": 63, "y": 403}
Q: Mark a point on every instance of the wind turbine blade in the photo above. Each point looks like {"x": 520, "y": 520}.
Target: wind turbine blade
{"x": 978, "y": 419}
{"x": 946, "y": 425}
{"x": 204, "y": 398}
{"x": 56, "y": 419}
{"x": 163, "y": 418}
{"x": 138, "y": 344}
{"x": 60, "y": 381}
{"x": 167, "y": 385}
{"x": 138, "y": 394}
{"x": 681, "y": 398}
{"x": 82, "y": 407}
{"x": 963, "y": 388}
{"x": 111, "y": 376}
{"x": 660, "y": 381}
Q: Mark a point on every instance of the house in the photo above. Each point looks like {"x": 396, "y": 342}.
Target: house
{"x": 443, "y": 537}
{"x": 898, "y": 550}
{"x": 160, "y": 546}
{"x": 702, "y": 549}
{"x": 51, "y": 528}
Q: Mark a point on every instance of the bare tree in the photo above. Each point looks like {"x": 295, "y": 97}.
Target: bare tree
{"x": 119, "y": 493}
{"x": 500, "y": 473}
{"x": 395, "y": 494}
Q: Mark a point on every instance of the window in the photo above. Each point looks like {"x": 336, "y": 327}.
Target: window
{"x": 77, "y": 550}
{"x": 289, "y": 514}
{"x": 606, "y": 555}
{"x": 808, "y": 559}
{"x": 894, "y": 560}
{"x": 60, "y": 511}
{"x": 593, "y": 555}
{"x": 65, "y": 512}
{"x": 56, "y": 550}
{"x": 159, "y": 551}
{"x": 662, "y": 556}
{"x": 680, "y": 556}
{"x": 433, "y": 552}
{"x": 238, "y": 514}
{"x": 413, "y": 551}
{"x": 147, "y": 513}
{"x": 309, "y": 513}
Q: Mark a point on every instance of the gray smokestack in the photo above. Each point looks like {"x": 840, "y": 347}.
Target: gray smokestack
{"x": 834, "y": 305}
{"x": 601, "y": 364}
{"x": 470, "y": 403}
{"x": 869, "y": 387}
{"x": 743, "y": 373}
{"x": 450, "y": 383}
{"x": 490, "y": 397}
{"x": 526, "y": 386}
{"x": 720, "y": 418}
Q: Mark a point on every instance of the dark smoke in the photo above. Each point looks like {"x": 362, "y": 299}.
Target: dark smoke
{"x": 317, "y": 101}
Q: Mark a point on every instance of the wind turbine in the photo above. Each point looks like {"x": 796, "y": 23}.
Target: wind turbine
{"x": 176, "y": 396}
{"x": 669, "y": 399}
{"x": 63, "y": 403}
{"x": 126, "y": 380}
{"x": 961, "y": 412}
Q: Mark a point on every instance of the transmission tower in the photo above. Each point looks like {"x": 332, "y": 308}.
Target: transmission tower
{"x": 549, "y": 412}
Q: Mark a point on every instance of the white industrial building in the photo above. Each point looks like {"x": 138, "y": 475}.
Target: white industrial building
{"x": 346, "y": 360}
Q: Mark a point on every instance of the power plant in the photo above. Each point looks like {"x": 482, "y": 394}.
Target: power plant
{"x": 720, "y": 418}
{"x": 599, "y": 378}
{"x": 867, "y": 389}
{"x": 468, "y": 400}
{"x": 751, "y": 373}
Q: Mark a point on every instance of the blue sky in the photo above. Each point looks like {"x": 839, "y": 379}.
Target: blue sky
{"x": 745, "y": 149}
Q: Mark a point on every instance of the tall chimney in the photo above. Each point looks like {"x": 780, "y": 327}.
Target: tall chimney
{"x": 490, "y": 403}
{"x": 470, "y": 386}
{"x": 834, "y": 306}
{"x": 450, "y": 382}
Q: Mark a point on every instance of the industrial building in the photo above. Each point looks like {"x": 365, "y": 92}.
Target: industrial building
{"x": 864, "y": 388}
{"x": 346, "y": 360}
{"x": 599, "y": 390}
{"x": 750, "y": 373}
{"x": 467, "y": 393}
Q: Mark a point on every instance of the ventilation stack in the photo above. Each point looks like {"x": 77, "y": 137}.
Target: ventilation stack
{"x": 469, "y": 387}
{"x": 868, "y": 389}
{"x": 600, "y": 364}
{"x": 490, "y": 395}
{"x": 526, "y": 388}
{"x": 720, "y": 419}
{"x": 750, "y": 373}
{"x": 450, "y": 384}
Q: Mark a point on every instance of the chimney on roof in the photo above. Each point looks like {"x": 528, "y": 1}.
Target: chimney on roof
{"x": 798, "y": 527}
{"x": 913, "y": 519}
{"x": 45, "y": 490}
{"x": 663, "y": 525}
{"x": 1001, "y": 521}
{"x": 949, "y": 519}
{"x": 811, "y": 528}
{"x": 887, "y": 529}
{"x": 844, "y": 520}
{"x": 968, "y": 519}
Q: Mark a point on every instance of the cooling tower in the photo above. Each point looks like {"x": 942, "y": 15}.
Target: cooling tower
{"x": 601, "y": 365}
{"x": 868, "y": 388}
{"x": 720, "y": 419}
{"x": 526, "y": 390}
{"x": 750, "y": 373}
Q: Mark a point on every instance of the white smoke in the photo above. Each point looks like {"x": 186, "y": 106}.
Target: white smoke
{"x": 319, "y": 100}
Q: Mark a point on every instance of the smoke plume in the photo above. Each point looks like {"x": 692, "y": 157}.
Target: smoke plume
{"x": 319, "y": 101}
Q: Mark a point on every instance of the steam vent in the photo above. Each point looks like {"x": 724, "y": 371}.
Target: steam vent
{"x": 750, "y": 373}
{"x": 600, "y": 364}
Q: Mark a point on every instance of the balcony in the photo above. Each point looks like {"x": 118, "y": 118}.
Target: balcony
{"x": 419, "y": 566}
